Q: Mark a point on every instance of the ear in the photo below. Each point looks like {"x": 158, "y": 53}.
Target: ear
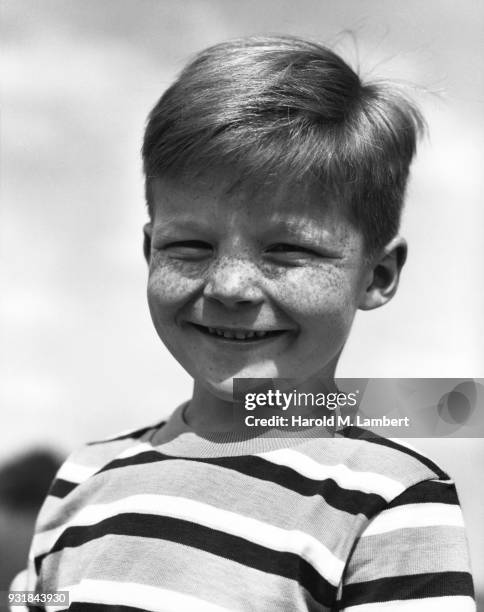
{"x": 384, "y": 275}
{"x": 147, "y": 231}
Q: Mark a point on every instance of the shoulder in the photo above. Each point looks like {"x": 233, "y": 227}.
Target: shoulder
{"x": 88, "y": 460}
{"x": 391, "y": 455}
{"x": 368, "y": 470}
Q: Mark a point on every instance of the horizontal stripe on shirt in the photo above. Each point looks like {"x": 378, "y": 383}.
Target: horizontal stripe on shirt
{"x": 417, "y": 586}
{"x": 290, "y": 527}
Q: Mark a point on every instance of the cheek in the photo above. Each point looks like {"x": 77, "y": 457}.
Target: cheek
{"x": 170, "y": 285}
{"x": 322, "y": 303}
{"x": 171, "y": 282}
{"x": 318, "y": 293}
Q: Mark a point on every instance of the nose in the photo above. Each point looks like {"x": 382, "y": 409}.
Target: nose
{"x": 234, "y": 282}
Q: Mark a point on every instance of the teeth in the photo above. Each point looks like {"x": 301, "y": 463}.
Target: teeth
{"x": 236, "y": 334}
{"x": 239, "y": 335}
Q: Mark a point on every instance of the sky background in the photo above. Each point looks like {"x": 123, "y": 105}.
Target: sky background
{"x": 79, "y": 357}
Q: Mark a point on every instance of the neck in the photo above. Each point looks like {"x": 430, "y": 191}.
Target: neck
{"x": 208, "y": 412}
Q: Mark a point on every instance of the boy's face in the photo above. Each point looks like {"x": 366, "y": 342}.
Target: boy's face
{"x": 253, "y": 285}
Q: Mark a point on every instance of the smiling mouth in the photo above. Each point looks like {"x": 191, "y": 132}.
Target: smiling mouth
{"x": 239, "y": 335}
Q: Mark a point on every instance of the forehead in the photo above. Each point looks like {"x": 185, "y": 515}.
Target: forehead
{"x": 216, "y": 197}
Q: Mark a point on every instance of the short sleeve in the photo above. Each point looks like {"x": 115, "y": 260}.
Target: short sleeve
{"x": 412, "y": 556}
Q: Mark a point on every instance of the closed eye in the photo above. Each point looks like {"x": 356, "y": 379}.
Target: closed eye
{"x": 287, "y": 253}
{"x": 289, "y": 248}
{"x": 188, "y": 249}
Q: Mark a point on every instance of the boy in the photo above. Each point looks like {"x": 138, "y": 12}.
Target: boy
{"x": 274, "y": 180}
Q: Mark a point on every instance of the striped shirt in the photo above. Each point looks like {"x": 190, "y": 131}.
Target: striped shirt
{"x": 163, "y": 519}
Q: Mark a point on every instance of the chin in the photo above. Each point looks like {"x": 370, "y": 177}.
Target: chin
{"x": 223, "y": 389}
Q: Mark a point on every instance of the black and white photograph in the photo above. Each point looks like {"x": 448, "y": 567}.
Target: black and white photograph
{"x": 241, "y": 314}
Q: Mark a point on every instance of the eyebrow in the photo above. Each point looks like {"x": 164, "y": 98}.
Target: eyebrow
{"x": 184, "y": 223}
{"x": 296, "y": 228}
